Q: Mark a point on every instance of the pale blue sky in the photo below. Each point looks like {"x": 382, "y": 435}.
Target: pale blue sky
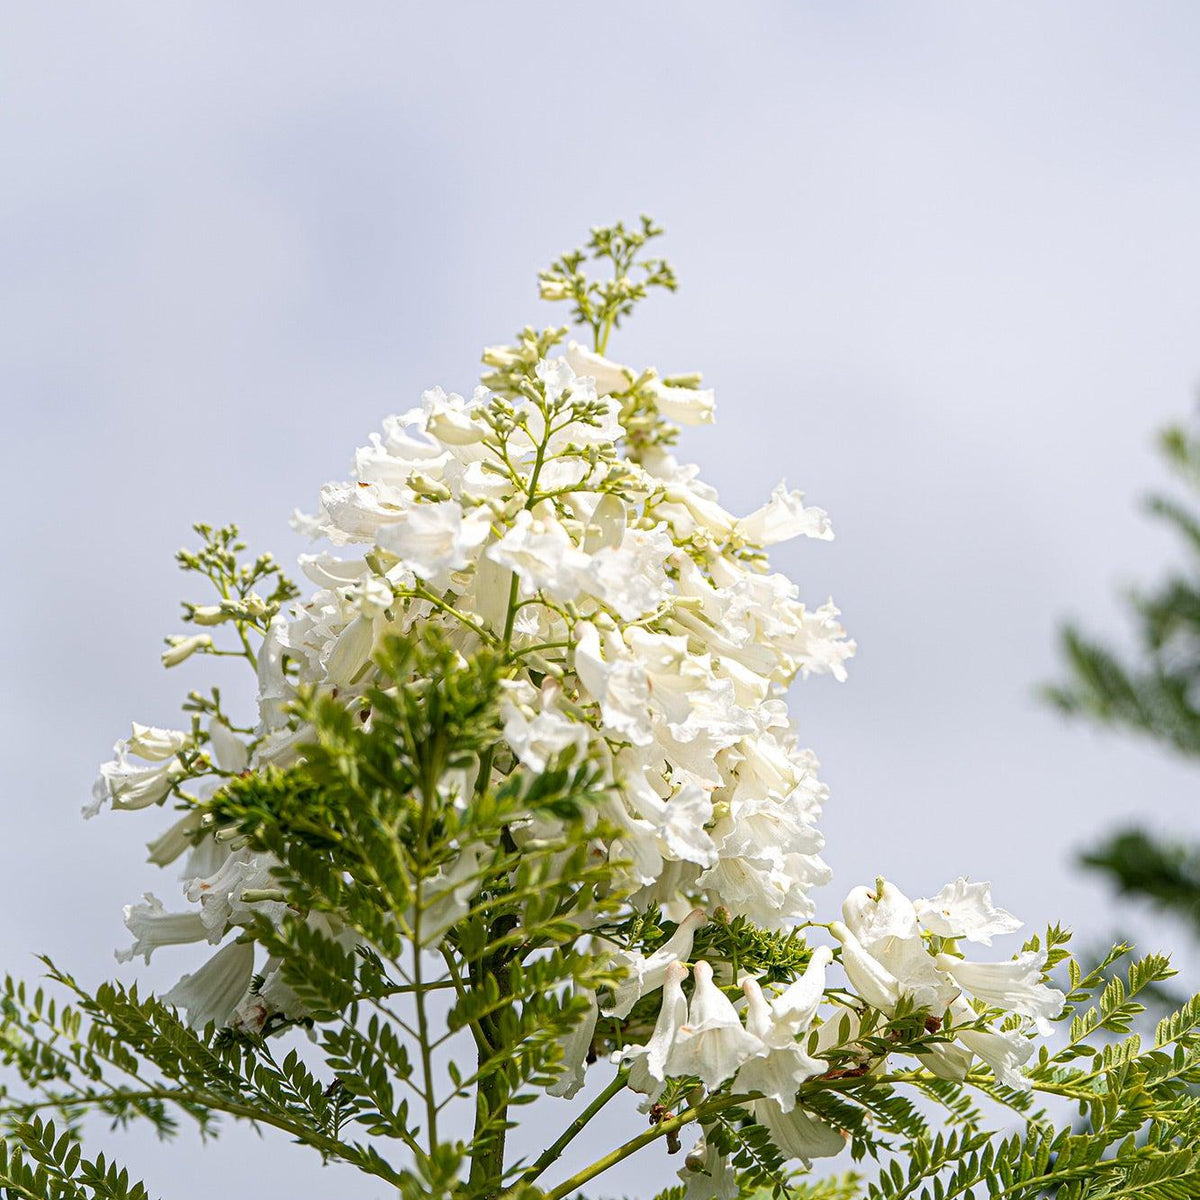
{"x": 939, "y": 260}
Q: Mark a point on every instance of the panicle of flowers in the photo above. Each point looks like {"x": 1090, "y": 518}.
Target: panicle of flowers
{"x": 544, "y": 519}
{"x": 636, "y": 618}
{"x": 900, "y": 959}
{"x": 625, "y": 599}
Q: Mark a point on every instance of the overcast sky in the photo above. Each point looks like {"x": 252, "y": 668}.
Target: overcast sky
{"x": 940, "y": 262}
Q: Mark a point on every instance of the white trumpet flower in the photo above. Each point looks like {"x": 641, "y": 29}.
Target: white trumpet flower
{"x": 712, "y": 1044}
{"x": 1015, "y": 986}
{"x": 776, "y": 1070}
{"x": 885, "y": 923}
{"x": 214, "y": 991}
{"x": 782, "y": 1064}
{"x": 648, "y": 1063}
{"x": 575, "y": 1046}
{"x": 798, "y": 1134}
{"x": 965, "y": 910}
{"x": 434, "y": 539}
{"x": 130, "y": 785}
{"x": 867, "y": 976}
{"x": 1006, "y": 1051}
{"x": 782, "y": 518}
{"x": 154, "y": 744}
{"x": 647, "y": 973}
{"x": 152, "y": 926}
{"x": 687, "y": 406}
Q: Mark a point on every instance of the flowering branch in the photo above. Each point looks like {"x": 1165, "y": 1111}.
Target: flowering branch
{"x": 521, "y": 794}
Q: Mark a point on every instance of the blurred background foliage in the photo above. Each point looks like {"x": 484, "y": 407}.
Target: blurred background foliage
{"x": 1152, "y": 690}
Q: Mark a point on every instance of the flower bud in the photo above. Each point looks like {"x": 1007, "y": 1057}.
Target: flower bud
{"x": 431, "y": 489}
{"x": 255, "y": 606}
{"x": 207, "y": 614}
{"x": 500, "y": 356}
{"x": 181, "y": 647}
{"x": 553, "y": 288}
{"x": 154, "y": 744}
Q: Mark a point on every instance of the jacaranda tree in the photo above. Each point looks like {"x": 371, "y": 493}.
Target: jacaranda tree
{"x": 521, "y": 814}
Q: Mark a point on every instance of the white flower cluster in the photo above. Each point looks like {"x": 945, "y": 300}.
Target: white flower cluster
{"x": 892, "y": 950}
{"x": 639, "y": 627}
{"x": 635, "y": 613}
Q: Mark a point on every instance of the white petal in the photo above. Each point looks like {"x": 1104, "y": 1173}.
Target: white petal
{"x": 152, "y": 926}
{"x": 214, "y": 991}
{"x": 784, "y": 517}
{"x": 687, "y": 406}
{"x": 576, "y": 1045}
{"x": 869, "y": 978}
{"x": 608, "y": 376}
{"x": 797, "y": 1005}
{"x": 963, "y": 909}
{"x": 230, "y": 752}
{"x": 154, "y": 744}
{"x": 646, "y": 974}
{"x": 798, "y": 1134}
{"x": 1015, "y": 986}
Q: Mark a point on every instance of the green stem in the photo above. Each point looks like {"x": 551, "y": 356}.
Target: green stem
{"x": 696, "y": 1113}
{"x": 251, "y": 657}
{"x": 602, "y": 336}
{"x": 487, "y": 1162}
{"x": 481, "y": 1042}
{"x": 485, "y": 759}
{"x": 302, "y": 1132}
{"x": 510, "y": 616}
{"x": 491, "y": 1108}
{"x": 551, "y": 1154}
{"x": 428, "y": 794}
{"x": 426, "y": 1052}
{"x": 420, "y": 592}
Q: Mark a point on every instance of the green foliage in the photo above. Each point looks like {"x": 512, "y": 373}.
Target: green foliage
{"x": 842, "y": 1187}
{"x": 1154, "y": 691}
{"x": 377, "y": 936}
{"x": 1144, "y": 1120}
{"x": 46, "y": 1165}
{"x": 1163, "y": 873}
{"x": 362, "y": 831}
{"x": 776, "y": 956}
